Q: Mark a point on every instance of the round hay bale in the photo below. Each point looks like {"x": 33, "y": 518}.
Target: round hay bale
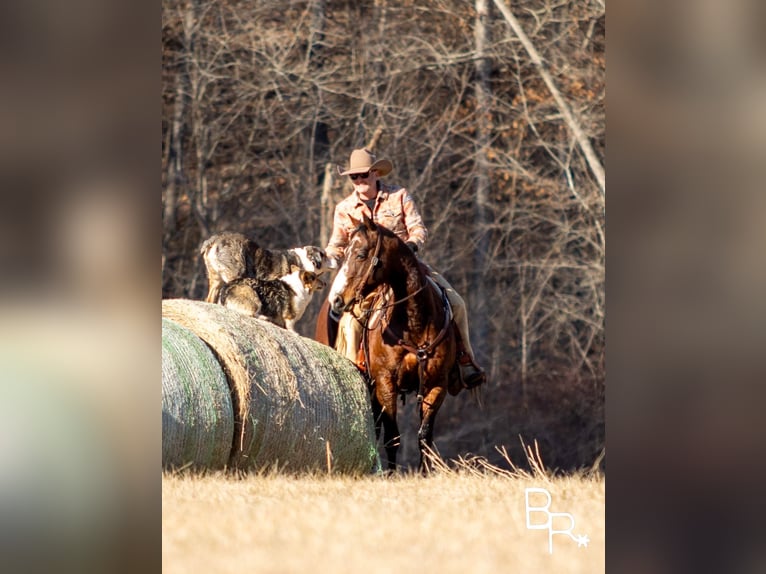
{"x": 197, "y": 415}
{"x": 294, "y": 399}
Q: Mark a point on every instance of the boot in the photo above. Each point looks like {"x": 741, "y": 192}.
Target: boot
{"x": 471, "y": 374}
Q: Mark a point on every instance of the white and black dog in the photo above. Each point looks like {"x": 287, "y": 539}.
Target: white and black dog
{"x": 281, "y": 301}
{"x": 231, "y": 256}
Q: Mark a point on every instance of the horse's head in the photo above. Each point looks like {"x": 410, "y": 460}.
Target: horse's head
{"x": 364, "y": 267}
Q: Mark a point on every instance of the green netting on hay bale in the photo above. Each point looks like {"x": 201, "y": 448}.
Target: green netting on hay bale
{"x": 197, "y": 415}
{"x": 292, "y": 396}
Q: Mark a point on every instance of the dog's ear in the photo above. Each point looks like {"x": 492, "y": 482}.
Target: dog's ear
{"x": 318, "y": 256}
{"x": 308, "y": 278}
{"x": 312, "y": 281}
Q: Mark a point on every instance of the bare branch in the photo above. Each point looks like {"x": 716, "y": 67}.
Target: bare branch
{"x": 582, "y": 140}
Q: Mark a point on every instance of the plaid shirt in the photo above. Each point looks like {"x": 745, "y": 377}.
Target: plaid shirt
{"x": 393, "y": 209}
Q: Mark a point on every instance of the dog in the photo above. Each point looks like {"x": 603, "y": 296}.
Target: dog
{"x": 231, "y": 256}
{"x": 281, "y": 301}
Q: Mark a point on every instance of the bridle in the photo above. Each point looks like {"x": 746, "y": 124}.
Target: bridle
{"x": 374, "y": 262}
{"x": 358, "y": 298}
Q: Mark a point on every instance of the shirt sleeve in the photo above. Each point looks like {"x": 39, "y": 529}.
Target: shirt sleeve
{"x": 416, "y": 229}
{"x": 336, "y": 247}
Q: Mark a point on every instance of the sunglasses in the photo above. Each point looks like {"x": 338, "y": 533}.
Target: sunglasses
{"x": 355, "y": 176}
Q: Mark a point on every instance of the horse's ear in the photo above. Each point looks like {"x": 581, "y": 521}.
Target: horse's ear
{"x": 354, "y": 221}
{"x": 368, "y": 223}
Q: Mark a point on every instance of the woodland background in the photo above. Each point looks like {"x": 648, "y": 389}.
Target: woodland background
{"x": 494, "y": 118}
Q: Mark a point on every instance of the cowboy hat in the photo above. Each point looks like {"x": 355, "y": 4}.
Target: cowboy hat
{"x": 363, "y": 160}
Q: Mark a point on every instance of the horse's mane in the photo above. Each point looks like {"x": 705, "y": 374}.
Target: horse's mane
{"x": 385, "y": 231}
{"x": 379, "y": 228}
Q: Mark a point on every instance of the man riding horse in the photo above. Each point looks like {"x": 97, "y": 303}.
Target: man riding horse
{"x": 393, "y": 208}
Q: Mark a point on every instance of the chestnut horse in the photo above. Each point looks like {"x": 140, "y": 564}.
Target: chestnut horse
{"x": 409, "y": 340}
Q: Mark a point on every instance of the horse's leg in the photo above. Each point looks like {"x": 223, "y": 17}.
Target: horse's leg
{"x": 386, "y": 394}
{"x": 428, "y": 409}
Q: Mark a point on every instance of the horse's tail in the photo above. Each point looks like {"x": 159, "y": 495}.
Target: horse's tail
{"x": 477, "y": 394}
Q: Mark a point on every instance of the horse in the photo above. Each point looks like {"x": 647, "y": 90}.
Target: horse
{"x": 409, "y": 341}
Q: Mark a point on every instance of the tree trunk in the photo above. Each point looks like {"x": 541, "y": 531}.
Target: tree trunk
{"x": 198, "y": 192}
{"x": 327, "y": 206}
{"x": 175, "y": 150}
{"x": 316, "y": 38}
{"x": 319, "y": 142}
{"x": 482, "y": 178}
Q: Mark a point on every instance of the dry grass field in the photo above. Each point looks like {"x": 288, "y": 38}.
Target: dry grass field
{"x": 452, "y": 521}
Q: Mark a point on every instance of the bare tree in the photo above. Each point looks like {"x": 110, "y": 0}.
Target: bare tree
{"x": 483, "y": 65}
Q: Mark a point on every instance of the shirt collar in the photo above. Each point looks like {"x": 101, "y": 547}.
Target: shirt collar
{"x": 382, "y": 195}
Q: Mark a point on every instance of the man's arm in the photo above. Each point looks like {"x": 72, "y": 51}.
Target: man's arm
{"x": 336, "y": 247}
{"x": 416, "y": 229}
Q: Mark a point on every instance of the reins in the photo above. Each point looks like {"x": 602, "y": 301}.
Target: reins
{"x": 366, "y": 312}
{"x": 375, "y": 260}
{"x": 373, "y": 264}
